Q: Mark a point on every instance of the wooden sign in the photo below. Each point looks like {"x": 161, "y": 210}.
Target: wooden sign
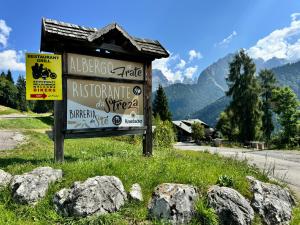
{"x": 106, "y": 82}
{"x": 100, "y": 104}
{"x": 103, "y": 67}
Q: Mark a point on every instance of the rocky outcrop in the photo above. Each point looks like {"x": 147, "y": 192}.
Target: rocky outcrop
{"x": 31, "y": 187}
{"x": 135, "y": 192}
{"x": 5, "y": 178}
{"x": 272, "y": 202}
{"x": 97, "y": 195}
{"x": 230, "y": 206}
{"x": 173, "y": 203}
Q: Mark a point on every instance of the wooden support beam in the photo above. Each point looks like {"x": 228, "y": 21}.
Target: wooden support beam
{"x": 147, "y": 139}
{"x": 58, "y": 132}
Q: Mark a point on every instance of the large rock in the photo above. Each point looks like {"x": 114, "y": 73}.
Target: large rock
{"x": 31, "y": 187}
{"x": 5, "y": 178}
{"x": 230, "y": 206}
{"x": 173, "y": 203}
{"x": 272, "y": 202}
{"x": 135, "y": 192}
{"x": 97, "y": 195}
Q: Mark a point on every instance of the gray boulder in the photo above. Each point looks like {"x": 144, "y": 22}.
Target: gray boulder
{"x": 272, "y": 202}
{"x": 97, "y": 195}
{"x": 31, "y": 187}
{"x": 230, "y": 206}
{"x": 5, "y": 178}
{"x": 173, "y": 203}
{"x": 135, "y": 192}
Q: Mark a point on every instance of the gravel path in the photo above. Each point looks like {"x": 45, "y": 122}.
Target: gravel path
{"x": 283, "y": 165}
{"x": 10, "y": 139}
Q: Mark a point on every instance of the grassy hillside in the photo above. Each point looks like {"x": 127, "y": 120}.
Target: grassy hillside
{"x": 109, "y": 156}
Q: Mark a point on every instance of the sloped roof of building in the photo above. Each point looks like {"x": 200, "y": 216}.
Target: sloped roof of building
{"x": 183, "y": 126}
{"x": 55, "y": 32}
{"x": 191, "y": 121}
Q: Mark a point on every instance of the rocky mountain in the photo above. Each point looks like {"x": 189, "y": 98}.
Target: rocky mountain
{"x": 158, "y": 78}
{"x": 186, "y": 99}
{"x": 286, "y": 75}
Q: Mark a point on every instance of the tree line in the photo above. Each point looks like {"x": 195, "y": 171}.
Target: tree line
{"x": 256, "y": 102}
{"x": 13, "y": 94}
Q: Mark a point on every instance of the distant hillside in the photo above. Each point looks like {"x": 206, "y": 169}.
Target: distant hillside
{"x": 286, "y": 75}
{"x": 289, "y": 75}
{"x": 209, "y": 114}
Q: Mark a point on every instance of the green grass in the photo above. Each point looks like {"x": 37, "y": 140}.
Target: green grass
{"x": 6, "y": 110}
{"x": 110, "y": 156}
{"x": 27, "y": 123}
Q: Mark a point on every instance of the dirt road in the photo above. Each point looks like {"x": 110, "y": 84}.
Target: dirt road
{"x": 283, "y": 165}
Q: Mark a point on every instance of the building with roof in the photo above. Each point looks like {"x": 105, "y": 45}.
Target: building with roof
{"x": 184, "y": 129}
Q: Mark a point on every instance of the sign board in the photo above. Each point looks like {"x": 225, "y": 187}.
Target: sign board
{"x": 103, "y": 67}
{"x": 101, "y": 104}
{"x": 43, "y": 77}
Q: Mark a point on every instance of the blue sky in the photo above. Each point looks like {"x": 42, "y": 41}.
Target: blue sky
{"x": 196, "y": 33}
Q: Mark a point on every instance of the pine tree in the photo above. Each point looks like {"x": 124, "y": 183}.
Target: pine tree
{"x": 286, "y": 107}
{"x": 21, "y": 96}
{"x": 9, "y": 76}
{"x": 244, "y": 90}
{"x": 160, "y": 105}
{"x": 8, "y": 93}
{"x": 268, "y": 84}
{"x": 2, "y": 75}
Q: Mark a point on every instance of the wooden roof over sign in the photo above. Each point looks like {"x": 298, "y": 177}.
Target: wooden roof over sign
{"x": 57, "y": 36}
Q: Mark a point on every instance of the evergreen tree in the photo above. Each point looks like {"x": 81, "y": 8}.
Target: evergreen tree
{"x": 9, "y": 76}
{"x": 8, "y": 93}
{"x": 268, "y": 84}
{"x": 160, "y": 105}
{"x": 2, "y": 75}
{"x": 244, "y": 90}
{"x": 286, "y": 107}
{"x": 21, "y": 96}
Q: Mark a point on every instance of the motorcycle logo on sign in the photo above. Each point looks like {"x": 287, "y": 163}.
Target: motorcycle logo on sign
{"x": 43, "y": 77}
{"x": 39, "y": 71}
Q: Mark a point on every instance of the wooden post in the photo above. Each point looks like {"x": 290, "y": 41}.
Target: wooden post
{"x": 59, "y": 118}
{"x": 147, "y": 139}
{"x": 58, "y": 132}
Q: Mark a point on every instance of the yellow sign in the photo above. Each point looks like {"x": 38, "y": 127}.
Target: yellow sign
{"x": 43, "y": 77}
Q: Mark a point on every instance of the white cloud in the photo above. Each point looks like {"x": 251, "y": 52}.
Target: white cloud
{"x": 181, "y": 64}
{"x": 11, "y": 59}
{"x": 281, "y": 43}
{"x": 225, "y": 42}
{"x": 164, "y": 66}
{"x": 174, "y": 68}
{"x": 190, "y": 71}
{"x": 4, "y": 33}
{"x": 193, "y": 54}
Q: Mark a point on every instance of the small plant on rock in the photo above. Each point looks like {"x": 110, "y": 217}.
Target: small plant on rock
{"x": 225, "y": 181}
{"x": 205, "y": 214}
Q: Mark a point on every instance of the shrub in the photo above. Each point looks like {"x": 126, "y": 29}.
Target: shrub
{"x": 225, "y": 181}
{"x": 198, "y": 132}
{"x": 164, "y": 135}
